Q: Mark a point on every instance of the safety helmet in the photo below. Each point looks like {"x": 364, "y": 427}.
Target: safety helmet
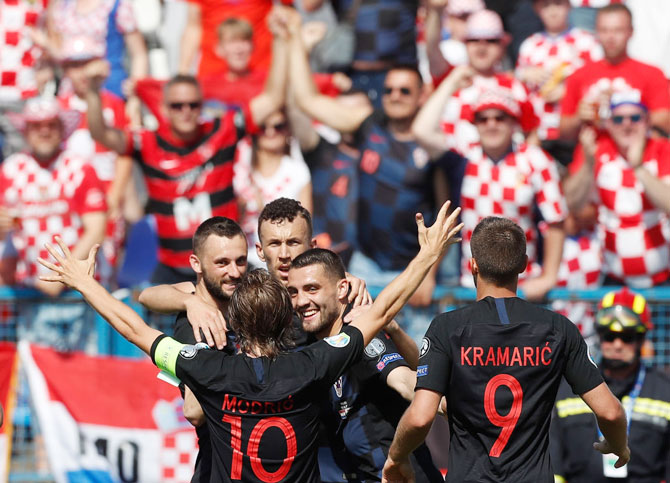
{"x": 624, "y": 310}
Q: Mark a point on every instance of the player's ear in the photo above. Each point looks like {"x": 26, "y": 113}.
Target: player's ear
{"x": 259, "y": 252}
{"x": 523, "y": 269}
{"x": 312, "y": 243}
{"x": 195, "y": 263}
{"x": 343, "y": 290}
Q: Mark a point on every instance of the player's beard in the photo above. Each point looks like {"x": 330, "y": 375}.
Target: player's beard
{"x": 326, "y": 320}
{"x": 213, "y": 286}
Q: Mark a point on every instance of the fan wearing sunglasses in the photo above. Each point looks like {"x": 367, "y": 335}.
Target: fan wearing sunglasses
{"x": 623, "y": 321}
{"x": 630, "y": 173}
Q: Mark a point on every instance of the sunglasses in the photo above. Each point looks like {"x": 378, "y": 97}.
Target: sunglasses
{"x": 498, "y": 118}
{"x": 278, "y": 127}
{"x": 405, "y": 91}
{"x": 179, "y": 106}
{"x": 634, "y": 118}
{"x": 626, "y": 337}
{"x": 488, "y": 41}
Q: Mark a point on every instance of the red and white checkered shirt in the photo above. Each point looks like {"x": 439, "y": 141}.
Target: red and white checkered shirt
{"x": 69, "y": 22}
{"x": 511, "y": 188}
{"x": 49, "y": 201}
{"x": 561, "y": 55}
{"x": 17, "y": 51}
{"x": 636, "y": 234}
{"x": 582, "y": 262}
{"x": 457, "y": 117}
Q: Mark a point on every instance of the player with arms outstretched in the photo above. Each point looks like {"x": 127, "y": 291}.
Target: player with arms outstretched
{"x": 259, "y": 404}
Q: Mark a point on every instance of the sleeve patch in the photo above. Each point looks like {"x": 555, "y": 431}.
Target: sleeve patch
{"x": 340, "y": 340}
{"x": 422, "y": 371}
{"x": 375, "y": 348}
{"x": 425, "y": 347}
{"x": 387, "y": 359}
{"x": 166, "y": 354}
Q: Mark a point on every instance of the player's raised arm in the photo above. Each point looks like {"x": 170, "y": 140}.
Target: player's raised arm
{"x": 433, "y": 242}
{"x": 77, "y": 275}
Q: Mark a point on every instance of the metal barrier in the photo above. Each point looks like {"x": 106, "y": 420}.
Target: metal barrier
{"x": 19, "y": 309}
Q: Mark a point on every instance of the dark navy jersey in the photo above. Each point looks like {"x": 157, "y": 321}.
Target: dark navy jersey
{"x": 499, "y": 362}
{"x": 335, "y": 195}
{"x": 365, "y": 411}
{"x": 396, "y": 181}
{"x": 261, "y": 412}
{"x": 573, "y": 431}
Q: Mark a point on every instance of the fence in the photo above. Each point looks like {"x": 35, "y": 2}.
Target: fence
{"x": 69, "y": 324}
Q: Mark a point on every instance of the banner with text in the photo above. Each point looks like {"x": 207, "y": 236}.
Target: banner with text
{"x": 108, "y": 419}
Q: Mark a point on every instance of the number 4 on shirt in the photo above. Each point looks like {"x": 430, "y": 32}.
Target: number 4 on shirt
{"x": 508, "y": 421}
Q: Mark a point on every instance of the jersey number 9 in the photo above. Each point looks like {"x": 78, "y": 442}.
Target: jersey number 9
{"x": 509, "y": 420}
{"x": 252, "y": 448}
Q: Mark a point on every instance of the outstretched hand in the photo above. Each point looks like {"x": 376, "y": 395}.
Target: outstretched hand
{"x": 69, "y": 270}
{"x": 442, "y": 233}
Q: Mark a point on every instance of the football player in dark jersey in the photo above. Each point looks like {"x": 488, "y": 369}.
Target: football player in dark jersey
{"x": 259, "y": 403}
{"x": 366, "y": 402}
{"x": 499, "y": 363}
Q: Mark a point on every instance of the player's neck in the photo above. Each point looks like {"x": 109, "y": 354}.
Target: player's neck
{"x": 622, "y": 372}
{"x": 488, "y": 289}
{"x": 617, "y": 59}
{"x": 333, "y": 329}
{"x": 204, "y": 294}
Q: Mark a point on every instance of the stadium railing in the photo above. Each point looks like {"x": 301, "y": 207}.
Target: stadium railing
{"x": 19, "y": 308}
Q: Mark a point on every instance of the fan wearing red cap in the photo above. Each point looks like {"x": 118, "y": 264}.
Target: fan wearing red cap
{"x": 500, "y": 177}
{"x": 47, "y": 190}
{"x": 622, "y": 323}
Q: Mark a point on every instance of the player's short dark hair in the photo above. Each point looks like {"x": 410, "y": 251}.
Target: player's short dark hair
{"x": 330, "y": 261}
{"x": 260, "y": 313}
{"x": 408, "y": 68}
{"x": 499, "y": 247}
{"x": 181, "y": 79}
{"x": 284, "y": 209}
{"x": 216, "y": 225}
{"x": 615, "y": 8}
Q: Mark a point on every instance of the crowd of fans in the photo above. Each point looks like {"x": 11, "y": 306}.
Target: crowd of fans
{"x": 365, "y": 112}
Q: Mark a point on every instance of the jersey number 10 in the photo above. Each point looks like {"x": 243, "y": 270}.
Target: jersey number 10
{"x": 509, "y": 420}
{"x": 252, "y": 447}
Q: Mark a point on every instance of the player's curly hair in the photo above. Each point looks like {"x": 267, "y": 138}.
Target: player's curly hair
{"x": 284, "y": 209}
{"x": 260, "y": 313}
{"x": 498, "y": 246}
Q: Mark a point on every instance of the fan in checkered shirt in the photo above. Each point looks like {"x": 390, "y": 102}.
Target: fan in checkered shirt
{"x": 630, "y": 173}
{"x": 499, "y": 177}
{"x": 47, "y": 190}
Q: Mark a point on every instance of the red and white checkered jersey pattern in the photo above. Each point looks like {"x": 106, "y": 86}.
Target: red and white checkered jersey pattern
{"x": 582, "y": 262}
{"x": 70, "y": 23}
{"x": 636, "y": 234}
{"x": 49, "y": 201}
{"x": 457, "y": 116}
{"x": 180, "y": 449}
{"x": 17, "y": 51}
{"x": 561, "y": 55}
{"x": 510, "y": 188}
{"x": 593, "y": 3}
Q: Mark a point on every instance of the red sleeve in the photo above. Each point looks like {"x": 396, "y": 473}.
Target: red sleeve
{"x": 571, "y": 97}
{"x": 90, "y": 195}
{"x": 150, "y": 92}
{"x": 663, "y": 158}
{"x": 437, "y": 80}
{"x": 659, "y": 91}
